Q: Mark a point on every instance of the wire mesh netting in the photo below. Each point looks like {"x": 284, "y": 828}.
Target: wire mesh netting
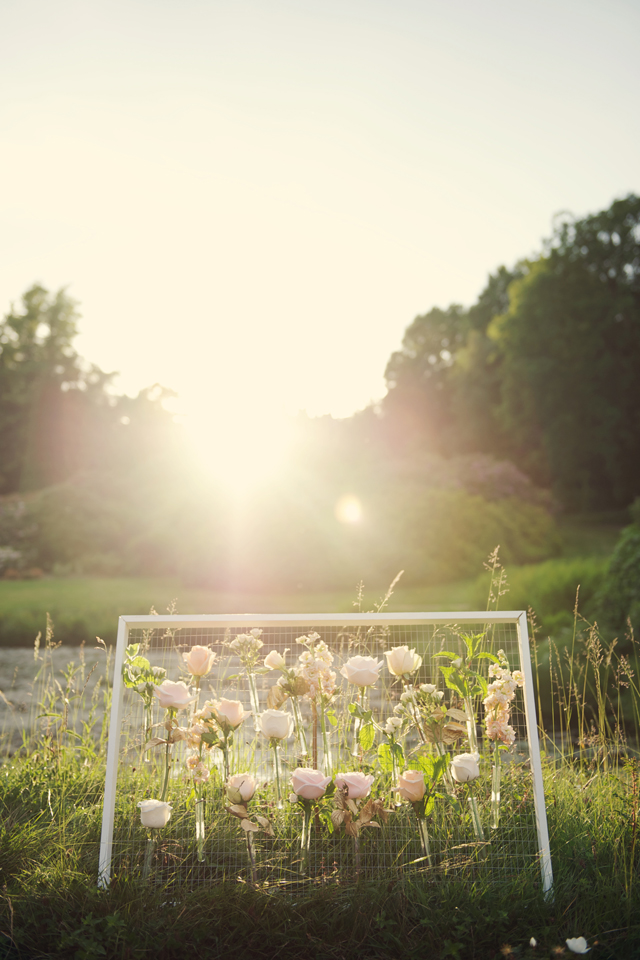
{"x": 457, "y": 846}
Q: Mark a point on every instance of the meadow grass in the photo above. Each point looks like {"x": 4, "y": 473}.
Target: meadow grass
{"x": 85, "y": 607}
{"x": 51, "y": 795}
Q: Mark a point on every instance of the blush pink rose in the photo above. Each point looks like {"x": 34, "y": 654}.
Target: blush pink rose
{"x": 309, "y": 784}
{"x": 173, "y": 694}
{"x": 199, "y": 660}
{"x": 359, "y": 785}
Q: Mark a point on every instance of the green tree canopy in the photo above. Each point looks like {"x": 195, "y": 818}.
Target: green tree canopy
{"x": 542, "y": 369}
{"x": 57, "y": 413}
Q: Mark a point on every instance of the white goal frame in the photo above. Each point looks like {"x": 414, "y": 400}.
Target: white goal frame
{"x": 246, "y": 622}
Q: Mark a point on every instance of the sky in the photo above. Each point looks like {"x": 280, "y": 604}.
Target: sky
{"x": 252, "y": 199}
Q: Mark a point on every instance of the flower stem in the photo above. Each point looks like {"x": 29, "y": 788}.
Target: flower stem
{"x": 148, "y": 855}
{"x": 424, "y": 839}
{"x": 441, "y": 750}
{"x": 224, "y": 746}
{"x": 300, "y": 734}
{"x": 200, "y": 824}
{"x": 305, "y": 838}
{"x": 471, "y": 725}
{"x": 167, "y": 758}
{"x": 253, "y": 696}
{"x": 327, "y": 759}
{"x": 252, "y": 857}
{"x": 475, "y": 818}
{"x": 276, "y": 765}
{"x": 495, "y": 790}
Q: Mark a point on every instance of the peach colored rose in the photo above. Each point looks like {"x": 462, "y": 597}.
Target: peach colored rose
{"x": 411, "y": 785}
{"x": 230, "y": 712}
{"x": 199, "y": 660}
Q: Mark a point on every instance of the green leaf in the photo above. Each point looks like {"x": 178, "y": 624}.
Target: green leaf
{"x": 447, "y": 653}
{"x": 331, "y": 717}
{"x": 384, "y": 758}
{"x": 367, "y": 736}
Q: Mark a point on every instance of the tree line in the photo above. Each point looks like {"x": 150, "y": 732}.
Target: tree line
{"x": 495, "y": 415}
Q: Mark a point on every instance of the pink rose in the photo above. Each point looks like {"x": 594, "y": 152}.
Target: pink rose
{"x": 242, "y": 785}
{"x": 359, "y": 785}
{"x": 309, "y": 784}
{"x": 411, "y": 785}
{"x": 173, "y": 694}
{"x": 199, "y": 660}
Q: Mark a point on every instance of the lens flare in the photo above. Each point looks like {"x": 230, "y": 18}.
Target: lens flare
{"x": 349, "y": 509}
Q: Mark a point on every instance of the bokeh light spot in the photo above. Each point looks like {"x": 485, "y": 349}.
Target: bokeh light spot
{"x": 349, "y": 509}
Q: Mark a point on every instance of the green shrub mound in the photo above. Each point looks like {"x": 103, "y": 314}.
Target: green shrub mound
{"x": 619, "y": 597}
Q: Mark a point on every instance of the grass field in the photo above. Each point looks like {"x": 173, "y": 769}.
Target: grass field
{"x": 85, "y": 607}
{"x": 51, "y": 804}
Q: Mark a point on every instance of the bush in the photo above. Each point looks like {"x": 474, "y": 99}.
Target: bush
{"x": 619, "y": 597}
{"x": 550, "y": 589}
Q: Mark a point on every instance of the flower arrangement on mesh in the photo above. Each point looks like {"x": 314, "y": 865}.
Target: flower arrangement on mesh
{"x": 427, "y": 747}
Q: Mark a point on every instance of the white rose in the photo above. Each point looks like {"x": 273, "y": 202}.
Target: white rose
{"x": 309, "y": 784}
{"x": 173, "y": 694}
{"x": 230, "y": 712}
{"x": 465, "y": 767}
{"x": 411, "y": 785}
{"x": 199, "y": 660}
{"x": 362, "y": 671}
{"x": 429, "y": 688}
{"x": 578, "y": 945}
{"x": 457, "y": 662}
{"x": 242, "y": 785}
{"x": 154, "y": 813}
{"x": 401, "y": 660}
{"x": 392, "y": 726}
{"x": 359, "y": 785}
{"x": 275, "y": 661}
{"x": 277, "y": 724}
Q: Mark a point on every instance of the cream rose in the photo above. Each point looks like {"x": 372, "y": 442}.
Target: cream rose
{"x": 275, "y": 661}
{"x": 154, "y": 813}
{"x": 230, "y": 712}
{"x": 199, "y": 660}
{"x": 577, "y": 945}
{"x": 241, "y": 785}
{"x": 362, "y": 671}
{"x": 173, "y": 694}
{"x": 309, "y": 784}
{"x": 276, "y": 724}
{"x": 465, "y": 767}
{"x": 401, "y": 660}
{"x": 411, "y": 785}
{"x": 358, "y": 784}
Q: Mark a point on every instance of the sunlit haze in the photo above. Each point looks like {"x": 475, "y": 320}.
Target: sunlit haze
{"x": 252, "y": 200}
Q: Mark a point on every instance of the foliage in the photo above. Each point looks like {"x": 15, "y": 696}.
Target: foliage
{"x": 51, "y": 803}
{"x": 619, "y": 596}
{"x": 542, "y": 369}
